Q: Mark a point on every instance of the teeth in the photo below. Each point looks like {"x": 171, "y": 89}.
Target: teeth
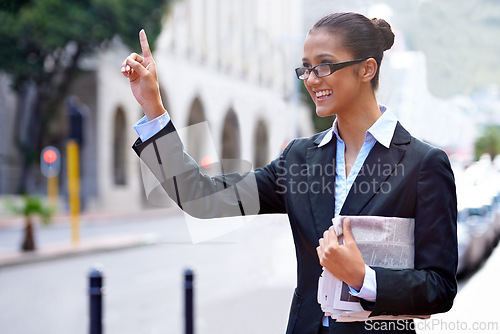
{"x": 322, "y": 93}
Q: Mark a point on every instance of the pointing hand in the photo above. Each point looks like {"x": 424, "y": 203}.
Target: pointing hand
{"x": 141, "y": 71}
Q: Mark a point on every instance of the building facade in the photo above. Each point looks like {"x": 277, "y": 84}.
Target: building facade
{"x": 227, "y": 67}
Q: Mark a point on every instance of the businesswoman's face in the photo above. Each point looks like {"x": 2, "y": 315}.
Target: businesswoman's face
{"x": 334, "y": 93}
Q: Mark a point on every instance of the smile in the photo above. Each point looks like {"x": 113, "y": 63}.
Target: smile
{"x": 323, "y": 94}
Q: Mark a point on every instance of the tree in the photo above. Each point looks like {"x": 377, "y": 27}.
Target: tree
{"x": 489, "y": 142}
{"x": 31, "y": 206}
{"x": 42, "y": 43}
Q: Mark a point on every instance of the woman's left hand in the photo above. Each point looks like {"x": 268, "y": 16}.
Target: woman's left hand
{"x": 343, "y": 261}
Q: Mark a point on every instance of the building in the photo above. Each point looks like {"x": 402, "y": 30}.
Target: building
{"x": 229, "y": 65}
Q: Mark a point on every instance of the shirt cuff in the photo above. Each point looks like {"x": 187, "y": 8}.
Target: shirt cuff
{"x": 146, "y": 129}
{"x": 369, "y": 289}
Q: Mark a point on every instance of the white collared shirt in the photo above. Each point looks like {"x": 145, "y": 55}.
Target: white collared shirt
{"x": 148, "y": 128}
{"x": 381, "y": 131}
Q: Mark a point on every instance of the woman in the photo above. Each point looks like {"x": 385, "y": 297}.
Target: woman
{"x": 342, "y": 57}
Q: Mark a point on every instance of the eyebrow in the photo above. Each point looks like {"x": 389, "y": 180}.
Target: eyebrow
{"x": 321, "y": 55}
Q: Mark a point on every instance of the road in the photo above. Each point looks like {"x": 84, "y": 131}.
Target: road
{"x": 243, "y": 282}
{"x": 475, "y": 309}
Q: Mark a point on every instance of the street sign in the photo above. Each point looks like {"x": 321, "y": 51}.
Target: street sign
{"x": 50, "y": 162}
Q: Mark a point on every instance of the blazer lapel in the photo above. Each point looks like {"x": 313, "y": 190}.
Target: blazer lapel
{"x": 321, "y": 181}
{"x": 378, "y": 167}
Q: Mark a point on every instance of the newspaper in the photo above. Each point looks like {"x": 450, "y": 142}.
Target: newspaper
{"x": 384, "y": 242}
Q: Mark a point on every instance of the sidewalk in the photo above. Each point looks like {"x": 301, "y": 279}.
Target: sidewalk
{"x": 92, "y": 217}
{"x": 61, "y": 250}
{"x": 475, "y": 306}
{"x": 87, "y": 245}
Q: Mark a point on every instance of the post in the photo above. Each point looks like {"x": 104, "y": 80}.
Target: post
{"x": 188, "y": 301}
{"x": 73, "y": 162}
{"x": 95, "y": 293}
{"x": 50, "y": 166}
{"x": 53, "y": 190}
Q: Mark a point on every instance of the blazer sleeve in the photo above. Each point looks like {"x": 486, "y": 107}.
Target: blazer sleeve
{"x": 244, "y": 192}
{"x": 431, "y": 286}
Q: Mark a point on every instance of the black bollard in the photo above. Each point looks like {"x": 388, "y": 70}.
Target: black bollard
{"x": 188, "y": 301}
{"x": 95, "y": 294}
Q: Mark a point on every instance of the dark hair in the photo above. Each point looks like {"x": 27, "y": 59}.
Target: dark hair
{"x": 363, "y": 37}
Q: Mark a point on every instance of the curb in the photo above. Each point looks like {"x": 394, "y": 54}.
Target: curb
{"x": 93, "y": 217}
{"x": 87, "y": 246}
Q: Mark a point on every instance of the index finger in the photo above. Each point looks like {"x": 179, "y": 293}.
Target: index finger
{"x": 347, "y": 230}
{"x": 146, "y": 52}
{"x": 332, "y": 236}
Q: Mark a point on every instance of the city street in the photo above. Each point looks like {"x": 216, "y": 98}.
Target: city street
{"x": 475, "y": 309}
{"x": 243, "y": 282}
{"x": 117, "y": 115}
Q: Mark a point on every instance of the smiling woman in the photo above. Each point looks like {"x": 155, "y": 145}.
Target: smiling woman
{"x": 375, "y": 168}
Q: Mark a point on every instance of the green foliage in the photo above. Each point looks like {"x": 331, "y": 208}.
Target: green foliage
{"x": 32, "y": 205}
{"x": 39, "y": 36}
{"x": 12, "y": 5}
{"x": 489, "y": 142}
{"x": 41, "y": 44}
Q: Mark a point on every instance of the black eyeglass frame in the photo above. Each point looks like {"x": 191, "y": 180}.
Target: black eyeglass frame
{"x": 334, "y": 67}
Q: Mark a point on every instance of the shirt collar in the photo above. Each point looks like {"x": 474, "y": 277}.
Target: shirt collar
{"x": 382, "y": 130}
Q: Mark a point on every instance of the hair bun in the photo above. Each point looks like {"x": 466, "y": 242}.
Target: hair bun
{"x": 385, "y": 31}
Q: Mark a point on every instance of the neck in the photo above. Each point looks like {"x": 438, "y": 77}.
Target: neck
{"x": 353, "y": 123}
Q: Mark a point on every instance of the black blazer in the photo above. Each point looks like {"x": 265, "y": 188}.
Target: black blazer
{"x": 410, "y": 179}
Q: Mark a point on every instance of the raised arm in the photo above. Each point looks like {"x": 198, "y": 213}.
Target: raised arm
{"x": 141, "y": 72}
{"x": 178, "y": 174}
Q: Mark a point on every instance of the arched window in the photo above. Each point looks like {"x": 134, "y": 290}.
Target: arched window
{"x": 195, "y": 141}
{"x": 261, "y": 145}
{"x": 231, "y": 136}
{"x": 119, "y": 145}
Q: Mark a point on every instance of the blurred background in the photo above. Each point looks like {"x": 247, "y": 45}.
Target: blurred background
{"x": 66, "y": 117}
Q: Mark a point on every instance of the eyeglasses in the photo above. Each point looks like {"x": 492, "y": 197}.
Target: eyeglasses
{"x": 324, "y": 69}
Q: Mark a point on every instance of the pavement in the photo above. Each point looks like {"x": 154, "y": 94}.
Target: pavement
{"x": 474, "y": 310}
{"x": 66, "y": 249}
{"x": 234, "y": 274}
{"x": 54, "y": 249}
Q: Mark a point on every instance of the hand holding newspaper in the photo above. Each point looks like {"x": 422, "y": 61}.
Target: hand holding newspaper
{"x": 384, "y": 242}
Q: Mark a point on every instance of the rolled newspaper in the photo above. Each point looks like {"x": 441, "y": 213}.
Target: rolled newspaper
{"x": 383, "y": 242}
